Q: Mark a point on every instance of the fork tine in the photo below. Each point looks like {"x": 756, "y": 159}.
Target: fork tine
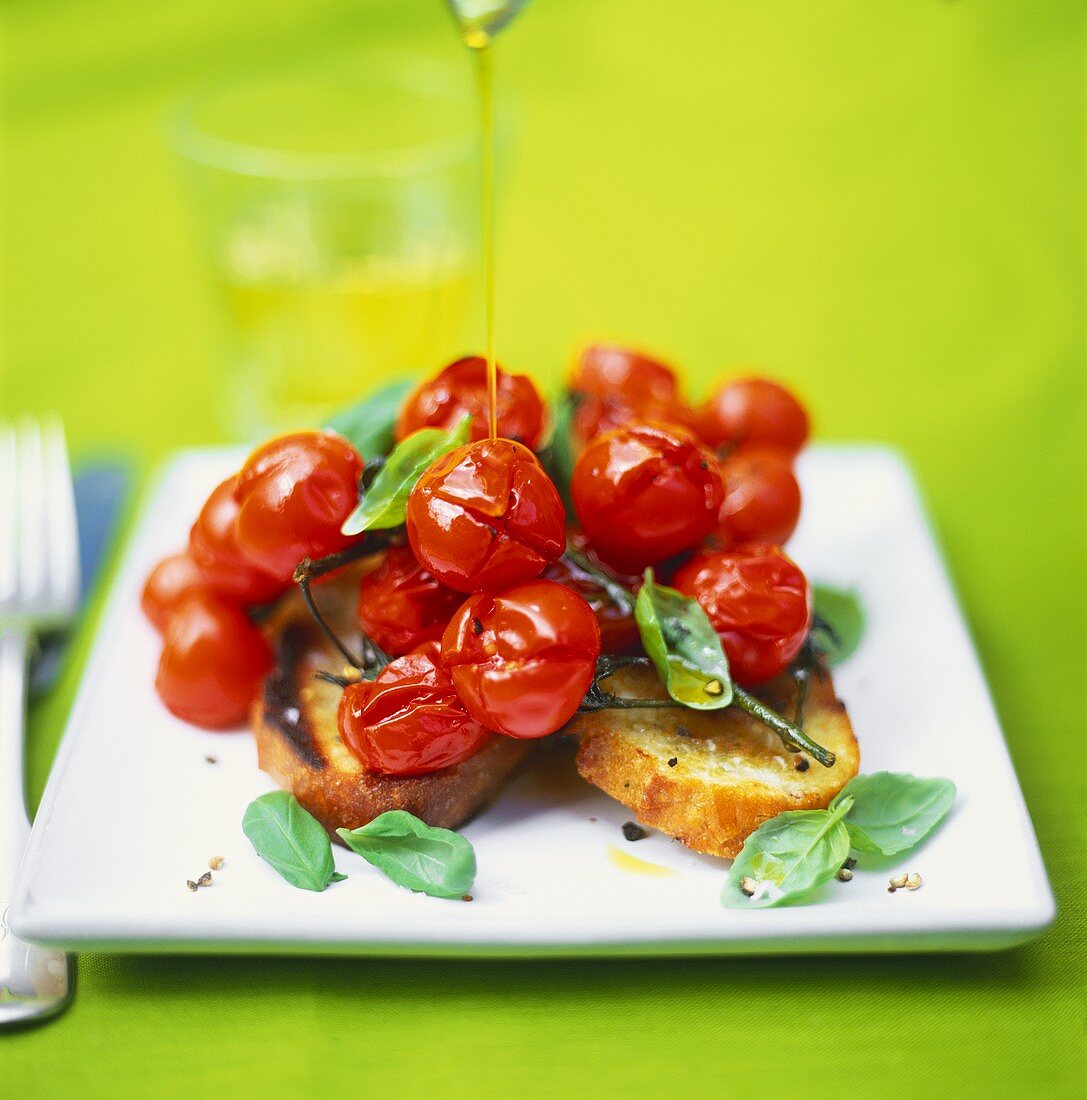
{"x": 30, "y": 514}
{"x": 8, "y": 533}
{"x": 62, "y": 536}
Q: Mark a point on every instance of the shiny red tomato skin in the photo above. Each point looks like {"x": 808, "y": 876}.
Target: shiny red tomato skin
{"x": 595, "y": 415}
{"x": 409, "y": 721}
{"x": 522, "y": 660}
{"x": 605, "y": 370}
{"x": 646, "y": 492}
{"x": 212, "y": 664}
{"x": 618, "y": 630}
{"x": 754, "y": 412}
{"x": 486, "y": 516}
{"x": 401, "y": 605}
{"x": 213, "y": 546}
{"x": 762, "y": 497}
{"x": 167, "y": 585}
{"x": 461, "y": 389}
{"x": 758, "y": 601}
{"x": 293, "y": 494}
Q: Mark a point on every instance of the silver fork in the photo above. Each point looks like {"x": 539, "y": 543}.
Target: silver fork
{"x": 39, "y": 590}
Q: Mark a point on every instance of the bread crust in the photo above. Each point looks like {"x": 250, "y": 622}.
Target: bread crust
{"x": 731, "y": 772}
{"x": 295, "y": 722}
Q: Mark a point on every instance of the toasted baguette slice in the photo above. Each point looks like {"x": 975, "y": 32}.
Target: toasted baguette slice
{"x": 730, "y": 772}
{"x": 298, "y": 735}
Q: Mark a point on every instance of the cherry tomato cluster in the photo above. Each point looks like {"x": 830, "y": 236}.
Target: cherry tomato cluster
{"x": 287, "y": 502}
{"x": 491, "y": 627}
{"x": 657, "y": 479}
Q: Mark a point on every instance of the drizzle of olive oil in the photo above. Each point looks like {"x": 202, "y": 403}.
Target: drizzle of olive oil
{"x": 626, "y": 862}
{"x": 479, "y": 41}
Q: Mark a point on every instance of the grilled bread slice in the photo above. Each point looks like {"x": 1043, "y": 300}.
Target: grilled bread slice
{"x": 298, "y": 735}
{"x": 710, "y": 778}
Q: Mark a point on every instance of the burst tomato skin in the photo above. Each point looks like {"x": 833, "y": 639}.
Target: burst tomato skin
{"x": 167, "y": 585}
{"x": 401, "y": 605}
{"x": 409, "y": 721}
{"x": 646, "y": 492}
{"x": 618, "y": 630}
{"x": 605, "y": 370}
{"x": 754, "y": 412}
{"x": 293, "y": 494}
{"x": 461, "y": 389}
{"x": 213, "y": 661}
{"x": 486, "y": 516}
{"x": 762, "y": 497}
{"x": 522, "y": 660}
{"x": 758, "y": 601}
{"x": 214, "y": 548}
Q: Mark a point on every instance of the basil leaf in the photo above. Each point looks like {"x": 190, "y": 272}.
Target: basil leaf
{"x": 290, "y": 840}
{"x": 787, "y": 857}
{"x": 683, "y": 646}
{"x": 894, "y": 811}
{"x": 368, "y": 425}
{"x": 838, "y": 622}
{"x": 385, "y": 501}
{"x": 413, "y": 854}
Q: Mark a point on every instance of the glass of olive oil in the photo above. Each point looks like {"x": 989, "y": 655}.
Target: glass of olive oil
{"x": 339, "y": 212}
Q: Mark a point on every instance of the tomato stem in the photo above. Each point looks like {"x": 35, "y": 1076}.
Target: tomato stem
{"x": 793, "y": 736}
{"x": 599, "y": 698}
{"x": 610, "y": 585}
{"x": 373, "y": 658}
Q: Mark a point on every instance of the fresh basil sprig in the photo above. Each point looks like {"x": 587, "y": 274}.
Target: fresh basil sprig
{"x": 385, "y": 502}
{"x": 893, "y": 812}
{"x": 788, "y": 857}
{"x": 683, "y": 646}
{"x": 433, "y": 861}
{"x": 838, "y": 622}
{"x": 368, "y": 425}
{"x": 290, "y": 840}
{"x": 886, "y": 813}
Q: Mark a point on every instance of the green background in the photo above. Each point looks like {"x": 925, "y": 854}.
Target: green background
{"x": 883, "y": 204}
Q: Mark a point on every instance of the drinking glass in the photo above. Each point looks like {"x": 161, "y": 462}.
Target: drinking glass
{"x": 339, "y": 214}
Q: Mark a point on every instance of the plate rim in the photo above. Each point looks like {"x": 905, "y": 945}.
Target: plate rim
{"x": 1009, "y": 926}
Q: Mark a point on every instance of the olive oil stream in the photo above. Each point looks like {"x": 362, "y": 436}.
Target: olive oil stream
{"x": 480, "y": 43}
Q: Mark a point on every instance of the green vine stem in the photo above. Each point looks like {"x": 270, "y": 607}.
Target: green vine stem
{"x": 373, "y": 659}
{"x": 610, "y": 585}
{"x": 793, "y": 737}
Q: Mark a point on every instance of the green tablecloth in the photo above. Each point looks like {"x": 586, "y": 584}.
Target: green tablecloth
{"x": 883, "y": 204}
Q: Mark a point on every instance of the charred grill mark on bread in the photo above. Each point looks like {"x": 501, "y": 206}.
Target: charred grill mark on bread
{"x": 305, "y": 754}
{"x": 283, "y": 707}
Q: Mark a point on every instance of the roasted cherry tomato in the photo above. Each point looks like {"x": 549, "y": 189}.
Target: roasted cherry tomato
{"x": 409, "y": 720}
{"x": 595, "y": 415}
{"x": 486, "y": 515}
{"x": 754, "y": 412}
{"x": 212, "y": 545}
{"x": 401, "y": 605}
{"x": 646, "y": 492}
{"x": 762, "y": 497}
{"x": 293, "y": 495}
{"x": 758, "y": 601}
{"x": 618, "y": 630}
{"x": 213, "y": 661}
{"x": 617, "y": 386}
{"x": 607, "y": 371}
{"x": 167, "y": 585}
{"x": 461, "y": 388}
{"x": 522, "y": 660}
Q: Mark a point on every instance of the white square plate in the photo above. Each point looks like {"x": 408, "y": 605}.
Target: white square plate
{"x": 134, "y": 808}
